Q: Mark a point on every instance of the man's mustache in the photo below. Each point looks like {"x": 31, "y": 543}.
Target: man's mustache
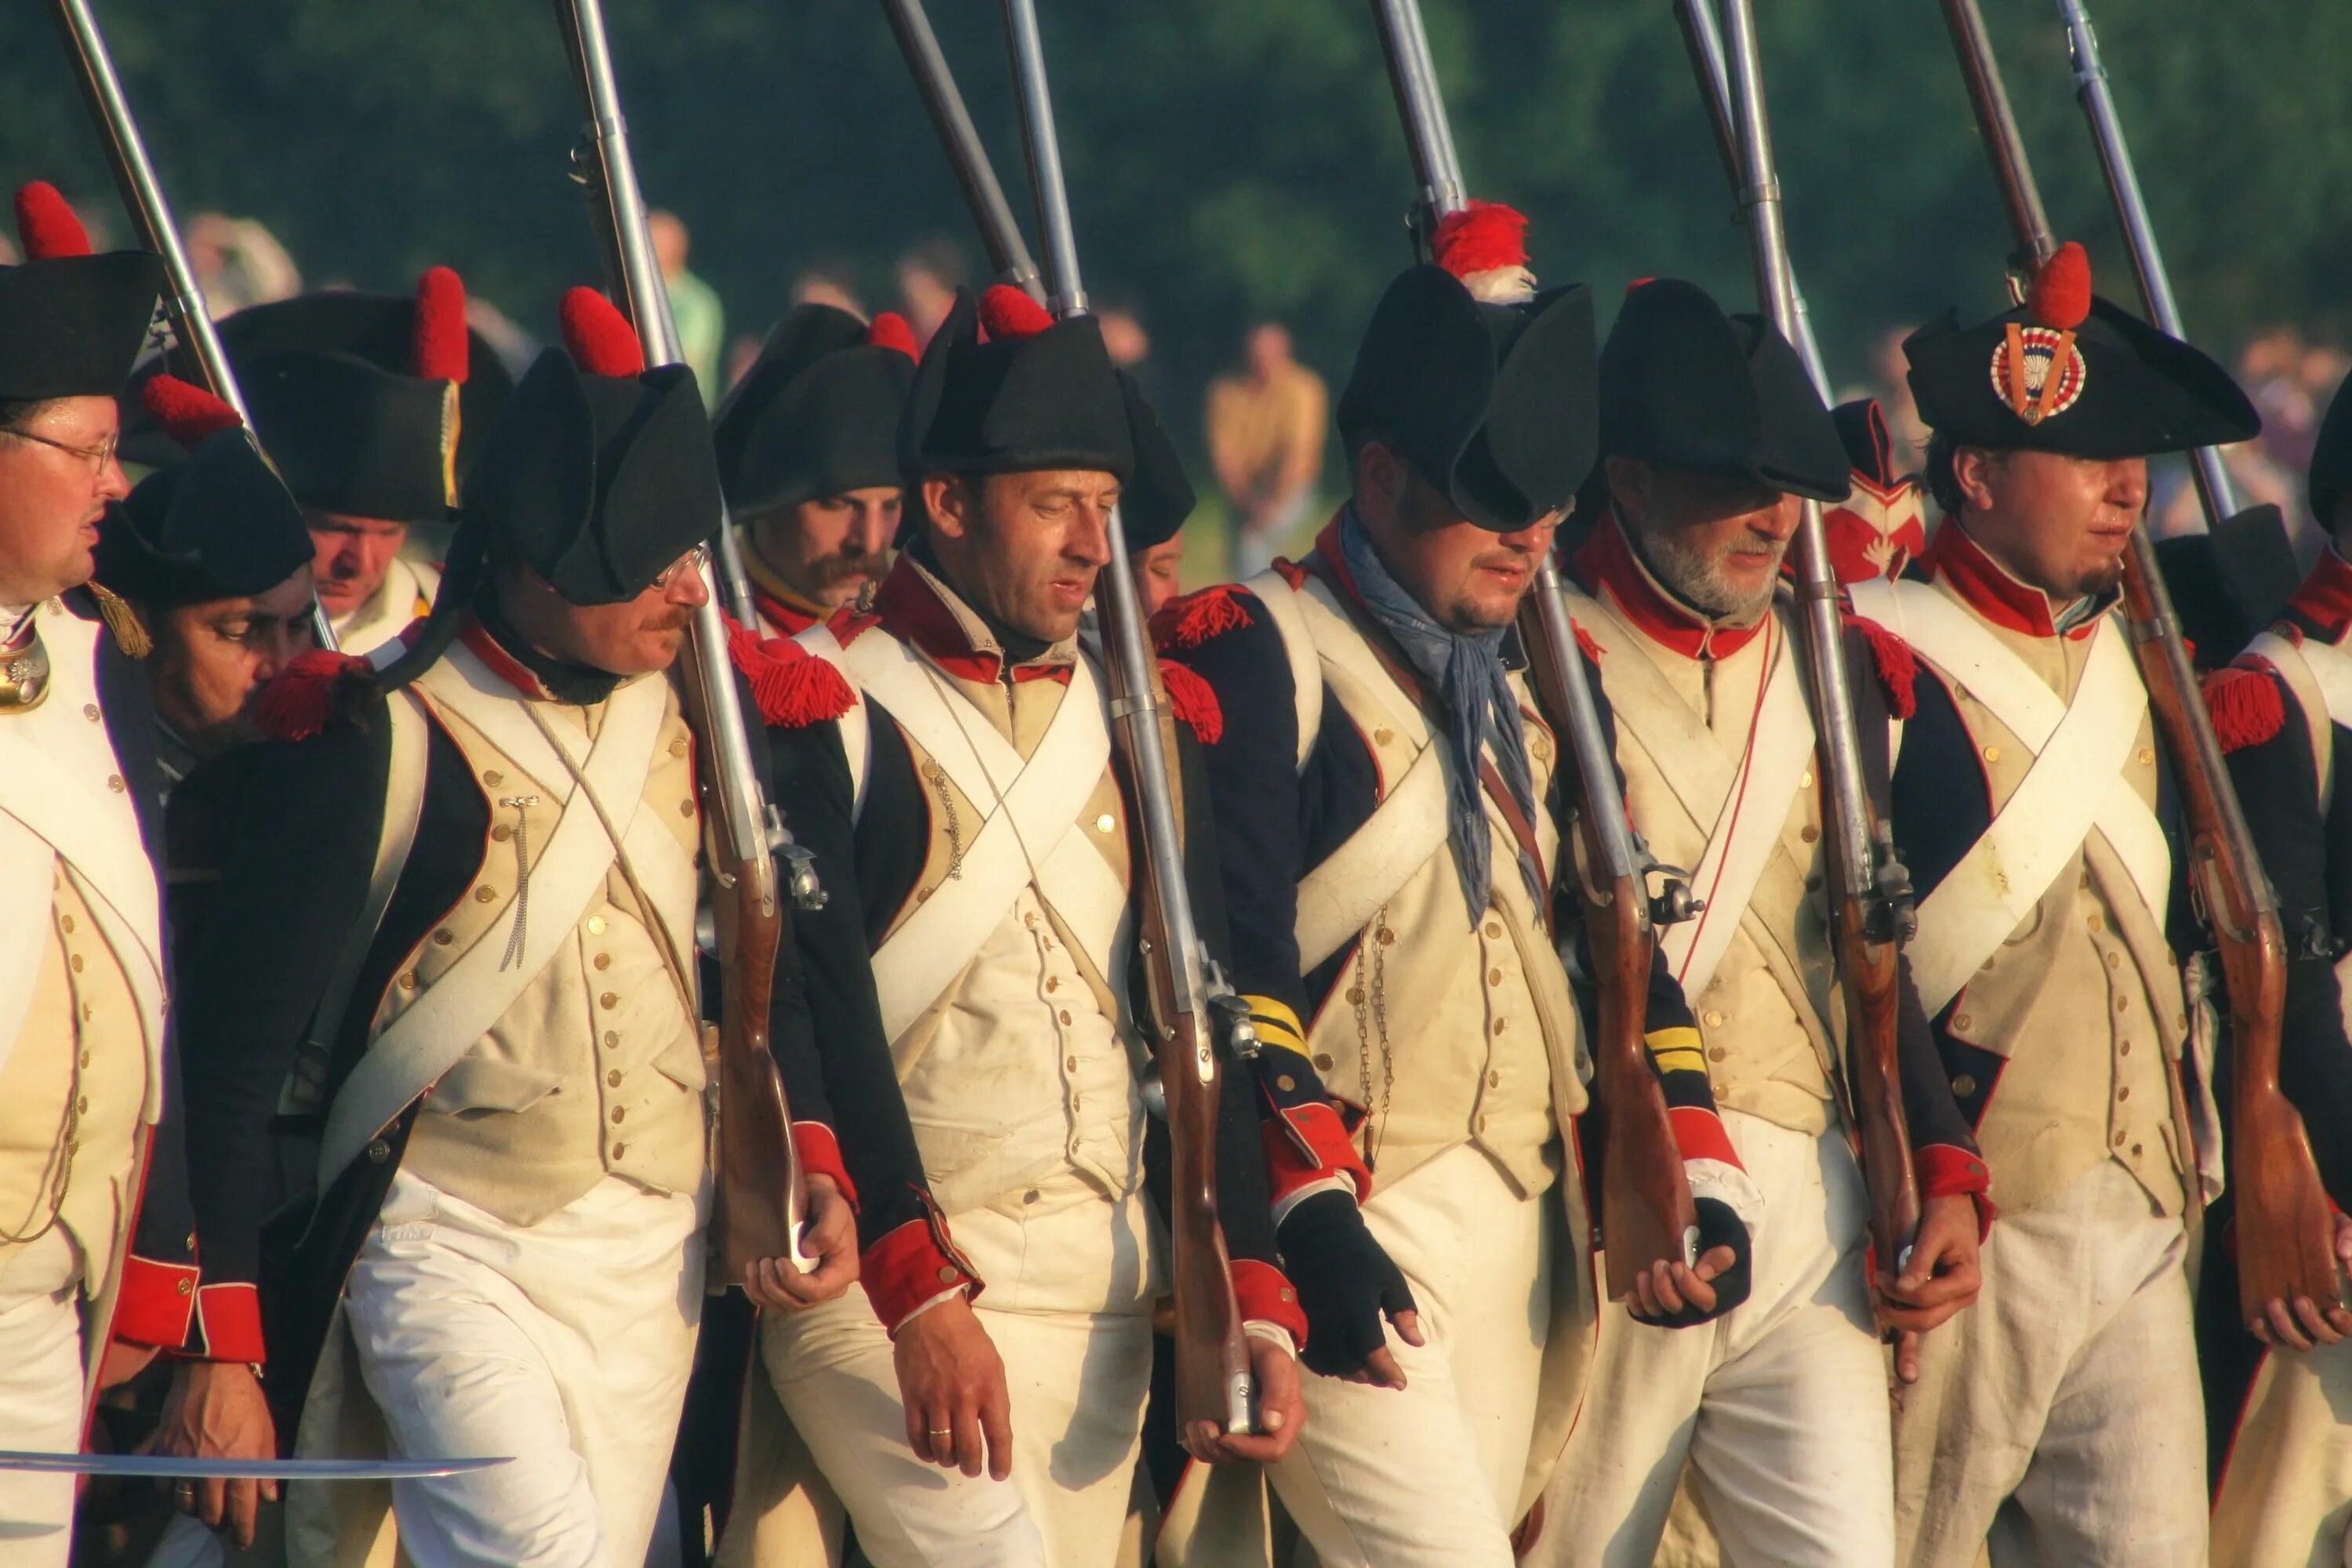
{"x": 674, "y": 619}
{"x": 841, "y": 568}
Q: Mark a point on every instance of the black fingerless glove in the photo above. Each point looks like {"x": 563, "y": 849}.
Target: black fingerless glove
{"x": 1344, "y": 1279}
{"x": 1718, "y": 1225}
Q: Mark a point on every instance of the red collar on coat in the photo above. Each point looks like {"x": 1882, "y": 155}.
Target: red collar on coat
{"x": 1990, "y": 589}
{"x": 1607, "y": 560}
{"x": 2324, "y": 599}
{"x": 918, "y": 608}
{"x": 502, "y": 664}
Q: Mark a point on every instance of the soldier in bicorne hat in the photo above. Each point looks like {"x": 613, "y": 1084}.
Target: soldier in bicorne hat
{"x": 2276, "y": 1392}
{"x": 443, "y": 1014}
{"x": 2035, "y": 806}
{"x": 82, "y": 1071}
{"x": 948, "y": 758}
{"x": 808, "y": 453}
{"x": 1713, "y": 435}
{"x": 1391, "y": 819}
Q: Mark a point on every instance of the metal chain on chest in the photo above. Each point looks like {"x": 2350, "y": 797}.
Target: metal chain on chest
{"x": 1371, "y": 1004}
{"x": 522, "y": 804}
{"x": 937, "y": 777}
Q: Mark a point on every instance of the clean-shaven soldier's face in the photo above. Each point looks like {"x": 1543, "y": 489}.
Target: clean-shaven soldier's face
{"x": 2060, "y": 523}
{"x": 1025, "y": 548}
{"x": 1716, "y": 540}
{"x": 636, "y": 637}
{"x": 1470, "y": 579}
{"x": 57, "y": 472}
{"x": 351, "y": 556}
{"x": 212, "y": 660}
{"x": 834, "y": 548}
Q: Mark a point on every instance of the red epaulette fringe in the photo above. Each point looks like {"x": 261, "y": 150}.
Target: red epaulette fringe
{"x": 793, "y": 686}
{"x": 2245, "y": 706}
{"x": 1187, "y": 623}
{"x": 302, "y": 700}
{"x": 1899, "y": 667}
{"x": 1194, "y": 700}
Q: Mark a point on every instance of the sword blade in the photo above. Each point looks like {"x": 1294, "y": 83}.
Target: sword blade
{"x": 172, "y": 1467}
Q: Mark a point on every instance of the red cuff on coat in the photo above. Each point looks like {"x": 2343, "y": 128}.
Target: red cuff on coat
{"x": 819, "y": 1152}
{"x": 1306, "y": 1143}
{"x": 1266, "y": 1296}
{"x": 156, "y": 1304}
{"x": 1699, "y": 1133}
{"x": 912, "y": 1265}
{"x": 1946, "y": 1170}
{"x": 229, "y": 1317}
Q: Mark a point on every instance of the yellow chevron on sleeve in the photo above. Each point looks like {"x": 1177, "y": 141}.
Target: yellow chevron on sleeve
{"x": 1678, "y": 1050}
{"x": 1277, "y": 1024}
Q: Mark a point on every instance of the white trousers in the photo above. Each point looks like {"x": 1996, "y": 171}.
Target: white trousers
{"x": 1077, "y": 1383}
{"x": 565, "y": 1344}
{"x": 2068, "y": 1392}
{"x": 1780, "y": 1405}
{"x": 40, "y": 1395}
{"x": 2285, "y": 1499}
{"x": 1430, "y": 1474}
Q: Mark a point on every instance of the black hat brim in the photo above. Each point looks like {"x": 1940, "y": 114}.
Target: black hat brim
{"x": 72, "y": 326}
{"x": 220, "y": 525}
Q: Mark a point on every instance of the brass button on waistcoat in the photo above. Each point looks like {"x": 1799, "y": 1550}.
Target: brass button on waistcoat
{"x": 1717, "y": 1054}
{"x": 620, "y": 1150}
{"x": 1501, "y": 1023}
{"x": 1714, "y": 1020}
{"x": 2147, "y": 755}
{"x": 610, "y": 1000}
{"x": 1323, "y": 1062}
{"x": 619, "y": 1113}
{"x": 2123, "y": 1004}
{"x": 1805, "y": 779}
{"x": 2123, "y": 1094}
{"x": 65, "y": 924}
{"x": 1066, "y": 1017}
{"x": 76, "y": 963}
{"x": 408, "y": 981}
{"x": 89, "y": 711}
{"x": 501, "y": 833}
{"x": 1104, "y": 822}
{"x": 2095, "y": 922}
{"x": 1069, "y": 1064}
{"x": 114, "y": 782}
{"x": 677, "y": 747}
{"x": 485, "y": 895}
{"x": 1053, "y": 983}
{"x": 612, "y": 1079}
{"x": 1494, "y": 1078}
{"x": 1030, "y": 1197}
{"x": 1494, "y": 977}
{"x": 1809, "y": 834}
{"x": 1384, "y": 735}
{"x": 611, "y": 1039}
{"x": 2115, "y": 960}
{"x": 493, "y": 778}
{"x": 1992, "y": 753}
{"x": 603, "y": 961}
{"x": 1356, "y": 996}
{"x": 444, "y": 938}
{"x": 596, "y": 925}
{"x": 2122, "y": 1049}
{"x": 1493, "y": 929}
{"x": 686, "y": 808}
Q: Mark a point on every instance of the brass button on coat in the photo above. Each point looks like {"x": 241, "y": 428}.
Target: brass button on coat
{"x": 493, "y": 778}
{"x": 611, "y": 1000}
{"x": 444, "y": 938}
{"x": 379, "y": 1150}
{"x": 485, "y": 895}
{"x": 1964, "y": 1086}
{"x": 114, "y": 782}
{"x": 603, "y": 961}
{"x": 619, "y": 1113}
{"x": 612, "y": 1079}
{"x": 89, "y": 711}
{"x": 1323, "y": 1062}
{"x": 501, "y": 833}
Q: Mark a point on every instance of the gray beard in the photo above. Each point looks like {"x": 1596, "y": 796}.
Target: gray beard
{"x": 1697, "y": 579}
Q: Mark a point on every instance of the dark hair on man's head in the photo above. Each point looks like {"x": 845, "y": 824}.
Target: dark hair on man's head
{"x": 1942, "y": 483}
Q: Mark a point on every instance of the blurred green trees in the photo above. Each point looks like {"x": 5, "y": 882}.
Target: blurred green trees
{"x": 1227, "y": 158}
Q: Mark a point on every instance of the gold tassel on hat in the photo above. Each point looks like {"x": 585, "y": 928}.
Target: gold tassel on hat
{"x": 123, "y": 621}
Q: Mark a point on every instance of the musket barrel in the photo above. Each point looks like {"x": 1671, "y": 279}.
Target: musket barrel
{"x": 143, "y": 195}
{"x": 2215, "y": 488}
{"x": 1759, "y": 189}
{"x": 1420, "y": 104}
{"x": 647, "y": 295}
{"x": 2020, "y": 197}
{"x": 1590, "y": 744}
{"x": 975, "y": 175}
{"x": 1703, "y": 38}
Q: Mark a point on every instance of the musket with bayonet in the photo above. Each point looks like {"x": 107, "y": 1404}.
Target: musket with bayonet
{"x": 1871, "y": 910}
{"x": 1197, "y": 1020}
{"x": 2283, "y": 1229}
{"x": 762, "y": 1198}
{"x": 143, "y": 198}
{"x": 975, "y": 176}
{"x": 1648, "y": 1212}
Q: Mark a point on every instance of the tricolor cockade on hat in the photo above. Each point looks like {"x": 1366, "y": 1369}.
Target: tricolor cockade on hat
{"x": 220, "y": 525}
{"x": 817, "y": 414}
{"x": 2071, "y": 373}
{"x": 1004, "y": 388}
{"x": 71, "y": 323}
{"x": 372, "y": 405}
{"x": 1687, "y": 385}
{"x": 1483, "y": 382}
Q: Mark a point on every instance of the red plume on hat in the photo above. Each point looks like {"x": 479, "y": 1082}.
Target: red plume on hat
{"x": 1485, "y": 246}
{"x": 1006, "y": 312}
{"x": 599, "y": 338}
{"x": 186, "y": 412}
{"x": 2060, "y": 294}
{"x": 440, "y": 349}
{"x": 45, "y": 224}
{"x": 890, "y": 331}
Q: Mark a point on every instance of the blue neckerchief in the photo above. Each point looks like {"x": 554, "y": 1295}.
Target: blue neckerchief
{"x": 1481, "y": 712}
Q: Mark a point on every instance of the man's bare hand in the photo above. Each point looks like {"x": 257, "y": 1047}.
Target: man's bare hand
{"x": 829, "y": 1236}
{"x": 1281, "y": 1412}
{"x": 2308, "y": 1323}
{"x": 1941, "y": 1278}
{"x": 952, "y": 1382}
{"x": 216, "y": 1411}
{"x": 1669, "y": 1287}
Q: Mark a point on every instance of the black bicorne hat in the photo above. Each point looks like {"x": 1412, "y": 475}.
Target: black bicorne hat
{"x": 219, "y": 525}
{"x": 1038, "y": 394}
{"x": 2070, "y": 373}
{"x": 817, "y": 414}
{"x": 371, "y": 404}
{"x": 598, "y": 473}
{"x": 1492, "y": 404}
{"x": 71, "y": 323}
{"x": 1686, "y": 385}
